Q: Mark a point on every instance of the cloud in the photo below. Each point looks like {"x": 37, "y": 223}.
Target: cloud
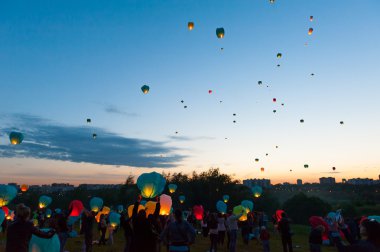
{"x": 185, "y": 138}
{"x": 114, "y": 110}
{"x": 44, "y": 139}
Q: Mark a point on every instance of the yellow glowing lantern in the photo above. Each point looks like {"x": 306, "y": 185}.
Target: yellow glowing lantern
{"x": 130, "y": 210}
{"x": 150, "y": 207}
{"x": 190, "y": 25}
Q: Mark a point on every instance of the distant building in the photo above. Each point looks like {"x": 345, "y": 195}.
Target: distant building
{"x": 265, "y": 183}
{"x": 99, "y": 186}
{"x": 299, "y": 181}
{"x": 327, "y": 181}
{"x": 360, "y": 181}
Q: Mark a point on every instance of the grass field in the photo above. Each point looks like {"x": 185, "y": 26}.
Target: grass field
{"x": 300, "y": 242}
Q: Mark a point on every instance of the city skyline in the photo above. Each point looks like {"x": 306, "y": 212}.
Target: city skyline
{"x": 221, "y": 103}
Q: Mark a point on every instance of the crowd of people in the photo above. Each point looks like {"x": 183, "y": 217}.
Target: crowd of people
{"x": 177, "y": 232}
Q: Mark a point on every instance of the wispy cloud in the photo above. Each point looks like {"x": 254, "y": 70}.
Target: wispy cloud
{"x": 115, "y": 110}
{"x": 44, "y": 139}
{"x": 185, "y": 138}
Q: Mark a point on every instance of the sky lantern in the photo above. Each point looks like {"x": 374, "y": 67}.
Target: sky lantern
{"x": 44, "y": 201}
{"x": 259, "y": 82}
{"x": 238, "y": 210}
{"x": 24, "y": 187}
{"x": 306, "y": 166}
{"x": 274, "y": 111}
{"x": 105, "y": 210}
{"x": 166, "y": 204}
{"x": 256, "y": 159}
{"x": 16, "y": 137}
{"x": 7, "y": 194}
{"x": 151, "y": 184}
{"x": 220, "y": 32}
{"x": 6, "y": 211}
{"x": 248, "y": 205}
{"x": 130, "y": 210}
{"x": 279, "y": 215}
{"x": 114, "y": 219}
{"x": 88, "y": 120}
{"x": 75, "y": 208}
{"x": 94, "y": 136}
{"x": 190, "y": 26}
{"x": 262, "y": 169}
{"x": 257, "y": 191}
{"x": 42, "y": 244}
{"x": 198, "y": 212}
{"x": 48, "y": 213}
{"x": 272, "y": 1}
{"x": 150, "y": 207}
{"x": 221, "y": 207}
{"x": 279, "y": 55}
{"x": 145, "y": 89}
{"x": 274, "y": 99}
{"x": 2, "y": 217}
{"x": 182, "y": 199}
{"x": 96, "y": 204}
{"x": 210, "y": 91}
{"x": 302, "y": 121}
{"x": 226, "y": 198}
{"x": 310, "y": 31}
{"x": 311, "y": 18}
{"x": 120, "y": 208}
{"x": 334, "y": 168}
{"x": 341, "y": 122}
{"x": 172, "y": 188}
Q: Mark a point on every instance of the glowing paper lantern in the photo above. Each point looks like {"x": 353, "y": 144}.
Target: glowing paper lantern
{"x": 150, "y": 207}
{"x": 220, "y": 32}
{"x": 7, "y": 194}
{"x": 44, "y": 201}
{"x": 248, "y": 205}
{"x": 145, "y": 89}
{"x": 198, "y": 212}
{"x": 48, "y": 213}
{"x": 190, "y": 26}
{"x": 256, "y": 159}
{"x": 257, "y": 191}
{"x": 166, "y": 204}
{"x": 310, "y": 31}
{"x": 279, "y": 55}
{"x": 172, "y": 188}
{"x": 88, "y": 120}
{"x": 238, "y": 210}
{"x": 120, "y": 208}
{"x": 2, "y": 216}
{"x": 105, "y": 210}
{"x": 221, "y": 207}
{"x": 96, "y": 204}
{"x": 24, "y": 188}
{"x": 226, "y": 198}
{"x": 274, "y": 99}
{"x": 151, "y": 184}
{"x": 44, "y": 245}
{"x": 16, "y": 137}
{"x": 306, "y": 166}
{"x": 279, "y": 215}
{"x": 262, "y": 169}
{"x": 94, "y": 136}
{"x": 311, "y": 18}
{"x": 130, "y": 210}
{"x": 181, "y": 199}
{"x": 76, "y": 207}
{"x": 114, "y": 219}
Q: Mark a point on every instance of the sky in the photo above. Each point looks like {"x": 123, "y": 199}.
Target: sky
{"x": 62, "y": 62}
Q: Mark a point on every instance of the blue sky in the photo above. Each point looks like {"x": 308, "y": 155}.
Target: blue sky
{"x": 64, "y": 61}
